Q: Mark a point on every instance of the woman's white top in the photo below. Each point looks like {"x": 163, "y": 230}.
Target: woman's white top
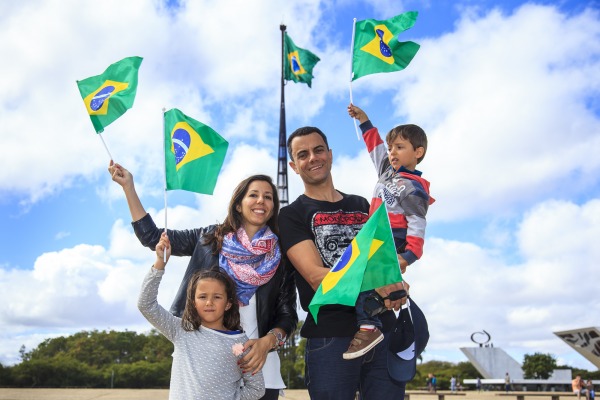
{"x": 272, "y": 369}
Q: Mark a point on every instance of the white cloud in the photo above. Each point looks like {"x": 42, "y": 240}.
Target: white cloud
{"x": 190, "y": 62}
{"x": 80, "y": 288}
{"x": 463, "y": 288}
{"x": 505, "y": 100}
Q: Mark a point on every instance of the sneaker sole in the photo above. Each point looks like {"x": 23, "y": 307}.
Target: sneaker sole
{"x": 356, "y": 354}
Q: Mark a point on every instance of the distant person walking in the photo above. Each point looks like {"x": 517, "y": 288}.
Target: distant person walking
{"x": 478, "y": 384}
{"x": 453, "y": 384}
{"x": 507, "y": 382}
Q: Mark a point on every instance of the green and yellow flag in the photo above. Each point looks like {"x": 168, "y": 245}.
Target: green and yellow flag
{"x": 109, "y": 95}
{"x": 298, "y": 63}
{"x": 377, "y": 48}
{"x": 368, "y": 263}
{"x": 194, "y": 153}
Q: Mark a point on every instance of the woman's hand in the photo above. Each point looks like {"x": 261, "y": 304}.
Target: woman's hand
{"x": 125, "y": 179}
{"x": 256, "y": 357}
{"x": 120, "y": 175}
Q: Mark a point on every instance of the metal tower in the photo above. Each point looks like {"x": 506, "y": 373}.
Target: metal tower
{"x": 282, "y": 163}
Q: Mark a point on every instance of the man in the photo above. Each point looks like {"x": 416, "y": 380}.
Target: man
{"x": 579, "y": 387}
{"x": 315, "y": 230}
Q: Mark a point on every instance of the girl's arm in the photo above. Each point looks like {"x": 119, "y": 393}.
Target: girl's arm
{"x": 254, "y": 386}
{"x": 161, "y": 319}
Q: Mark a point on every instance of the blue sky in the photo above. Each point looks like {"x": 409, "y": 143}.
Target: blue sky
{"x": 508, "y": 93}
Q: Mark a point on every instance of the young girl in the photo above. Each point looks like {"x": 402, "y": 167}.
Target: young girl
{"x": 208, "y": 340}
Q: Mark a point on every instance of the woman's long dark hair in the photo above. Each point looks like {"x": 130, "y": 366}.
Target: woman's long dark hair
{"x": 191, "y": 321}
{"x": 233, "y": 221}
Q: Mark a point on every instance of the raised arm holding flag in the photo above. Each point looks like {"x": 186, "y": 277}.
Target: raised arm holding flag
{"x": 376, "y": 47}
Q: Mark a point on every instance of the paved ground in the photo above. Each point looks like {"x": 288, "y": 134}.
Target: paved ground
{"x": 163, "y": 394}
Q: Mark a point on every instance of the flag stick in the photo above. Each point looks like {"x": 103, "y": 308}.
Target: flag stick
{"x": 392, "y": 233}
{"x": 352, "y": 74}
{"x": 105, "y": 146}
{"x": 165, "y": 169}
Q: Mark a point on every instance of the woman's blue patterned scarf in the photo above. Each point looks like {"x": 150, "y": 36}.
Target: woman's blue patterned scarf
{"x": 250, "y": 263}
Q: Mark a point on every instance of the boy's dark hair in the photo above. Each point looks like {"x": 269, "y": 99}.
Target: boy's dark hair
{"x": 413, "y": 133}
{"x": 191, "y": 321}
{"x": 305, "y": 130}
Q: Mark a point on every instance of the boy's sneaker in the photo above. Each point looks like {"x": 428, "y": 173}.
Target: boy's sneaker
{"x": 363, "y": 342}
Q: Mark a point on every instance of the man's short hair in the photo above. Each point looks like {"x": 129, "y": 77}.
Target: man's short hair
{"x": 304, "y": 131}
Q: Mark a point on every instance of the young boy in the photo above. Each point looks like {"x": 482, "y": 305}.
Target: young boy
{"x": 407, "y": 199}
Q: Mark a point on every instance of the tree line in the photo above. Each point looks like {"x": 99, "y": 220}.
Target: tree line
{"x": 114, "y": 359}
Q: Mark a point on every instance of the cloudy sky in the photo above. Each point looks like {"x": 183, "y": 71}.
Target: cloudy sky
{"x": 508, "y": 92}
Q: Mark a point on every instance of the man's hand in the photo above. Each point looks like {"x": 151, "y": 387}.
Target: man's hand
{"x": 385, "y": 291}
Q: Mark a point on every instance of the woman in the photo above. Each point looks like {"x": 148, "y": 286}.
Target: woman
{"x": 246, "y": 246}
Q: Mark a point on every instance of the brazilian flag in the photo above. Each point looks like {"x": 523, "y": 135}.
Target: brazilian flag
{"x": 194, "y": 153}
{"x": 298, "y": 63}
{"x": 107, "y": 96}
{"x": 368, "y": 263}
{"x": 377, "y": 47}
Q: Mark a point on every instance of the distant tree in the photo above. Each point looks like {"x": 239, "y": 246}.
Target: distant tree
{"x": 292, "y": 360}
{"x": 157, "y": 348}
{"x": 585, "y": 374}
{"x": 142, "y": 374}
{"x": 93, "y": 358}
{"x": 23, "y": 353}
{"x": 466, "y": 370}
{"x": 59, "y": 371}
{"x": 538, "y": 366}
{"x": 5, "y": 375}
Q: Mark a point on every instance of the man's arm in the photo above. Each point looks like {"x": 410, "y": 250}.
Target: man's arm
{"x": 307, "y": 261}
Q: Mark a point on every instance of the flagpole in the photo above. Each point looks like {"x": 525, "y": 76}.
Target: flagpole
{"x": 165, "y": 176}
{"x": 105, "y": 146}
{"x": 282, "y": 178}
{"x": 352, "y": 73}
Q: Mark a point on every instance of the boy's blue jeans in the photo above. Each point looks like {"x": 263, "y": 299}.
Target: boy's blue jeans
{"x": 362, "y": 317}
{"x": 329, "y": 377}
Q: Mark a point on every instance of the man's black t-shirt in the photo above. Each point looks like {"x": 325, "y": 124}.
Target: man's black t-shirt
{"x": 331, "y": 227}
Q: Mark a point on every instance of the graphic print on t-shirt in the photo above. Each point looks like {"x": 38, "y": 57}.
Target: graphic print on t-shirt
{"x": 334, "y": 232}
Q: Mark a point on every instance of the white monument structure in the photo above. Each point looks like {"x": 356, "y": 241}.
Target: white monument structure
{"x": 585, "y": 341}
{"x": 493, "y": 363}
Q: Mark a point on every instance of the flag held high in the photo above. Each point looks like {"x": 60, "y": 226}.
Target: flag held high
{"x": 298, "y": 62}
{"x": 109, "y": 95}
{"x": 194, "y": 153}
{"x": 377, "y": 47}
